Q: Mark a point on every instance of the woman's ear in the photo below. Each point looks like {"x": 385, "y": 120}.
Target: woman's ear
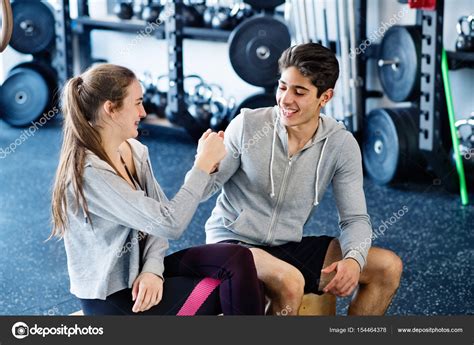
{"x": 108, "y": 108}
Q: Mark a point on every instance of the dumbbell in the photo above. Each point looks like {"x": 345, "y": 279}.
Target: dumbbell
{"x": 465, "y": 30}
{"x": 124, "y": 9}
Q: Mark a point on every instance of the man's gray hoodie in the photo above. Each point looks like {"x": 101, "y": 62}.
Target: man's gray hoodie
{"x": 267, "y": 197}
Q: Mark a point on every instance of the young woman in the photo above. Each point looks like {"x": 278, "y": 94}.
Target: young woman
{"x": 115, "y": 218}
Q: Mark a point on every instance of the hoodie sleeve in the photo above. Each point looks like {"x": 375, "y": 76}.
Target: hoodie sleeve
{"x": 231, "y": 162}
{"x": 110, "y": 197}
{"x": 354, "y": 222}
{"x": 153, "y": 255}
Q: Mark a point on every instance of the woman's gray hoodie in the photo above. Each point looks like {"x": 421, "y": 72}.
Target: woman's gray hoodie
{"x": 267, "y": 197}
{"x": 103, "y": 256}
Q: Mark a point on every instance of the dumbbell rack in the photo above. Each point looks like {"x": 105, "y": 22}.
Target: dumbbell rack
{"x": 174, "y": 32}
{"x": 83, "y": 25}
{"x": 177, "y": 111}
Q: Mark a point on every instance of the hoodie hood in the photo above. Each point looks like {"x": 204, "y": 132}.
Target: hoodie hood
{"x": 139, "y": 152}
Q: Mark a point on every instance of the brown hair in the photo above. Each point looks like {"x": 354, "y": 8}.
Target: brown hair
{"x": 314, "y": 61}
{"x": 82, "y": 98}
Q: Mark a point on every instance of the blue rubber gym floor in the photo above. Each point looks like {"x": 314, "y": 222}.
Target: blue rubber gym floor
{"x": 433, "y": 236}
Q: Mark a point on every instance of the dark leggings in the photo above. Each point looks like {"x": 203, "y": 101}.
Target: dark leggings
{"x": 239, "y": 293}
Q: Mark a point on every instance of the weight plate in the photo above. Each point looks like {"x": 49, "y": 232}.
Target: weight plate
{"x": 24, "y": 96}
{"x": 390, "y": 144}
{"x": 399, "y": 63}
{"x": 264, "y": 4}
{"x": 259, "y": 100}
{"x": 48, "y": 72}
{"x": 255, "y": 46}
{"x": 33, "y": 27}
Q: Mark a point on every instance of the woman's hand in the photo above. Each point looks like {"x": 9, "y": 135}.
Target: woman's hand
{"x": 211, "y": 150}
{"x": 147, "y": 291}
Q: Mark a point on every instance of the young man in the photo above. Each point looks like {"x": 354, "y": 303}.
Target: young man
{"x": 280, "y": 162}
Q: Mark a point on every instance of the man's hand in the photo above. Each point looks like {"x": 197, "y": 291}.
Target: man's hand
{"x": 147, "y": 291}
{"x": 346, "y": 278}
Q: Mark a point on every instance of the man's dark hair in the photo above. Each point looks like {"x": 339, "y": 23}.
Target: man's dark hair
{"x": 314, "y": 61}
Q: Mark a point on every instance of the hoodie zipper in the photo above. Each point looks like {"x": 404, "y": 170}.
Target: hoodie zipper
{"x": 284, "y": 185}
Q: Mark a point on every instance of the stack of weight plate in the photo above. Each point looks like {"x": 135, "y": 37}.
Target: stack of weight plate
{"x": 390, "y": 135}
{"x": 29, "y": 88}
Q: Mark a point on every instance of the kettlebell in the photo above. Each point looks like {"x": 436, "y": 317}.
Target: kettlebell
{"x": 465, "y": 133}
{"x": 149, "y": 90}
{"x": 151, "y": 13}
{"x": 222, "y": 19}
{"x": 192, "y": 17}
{"x": 240, "y": 12}
{"x": 465, "y": 30}
{"x": 124, "y": 10}
{"x": 219, "y": 110}
{"x": 190, "y": 83}
{"x": 138, "y": 7}
{"x": 208, "y": 15}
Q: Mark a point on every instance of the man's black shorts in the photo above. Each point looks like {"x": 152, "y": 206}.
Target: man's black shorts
{"x": 307, "y": 256}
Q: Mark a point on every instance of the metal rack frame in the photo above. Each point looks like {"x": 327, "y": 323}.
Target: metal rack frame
{"x": 63, "y": 59}
{"x": 434, "y": 128}
{"x": 434, "y": 137}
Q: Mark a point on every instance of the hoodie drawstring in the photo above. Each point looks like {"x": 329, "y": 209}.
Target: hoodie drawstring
{"x": 272, "y": 194}
{"x": 316, "y": 202}
{"x": 272, "y": 157}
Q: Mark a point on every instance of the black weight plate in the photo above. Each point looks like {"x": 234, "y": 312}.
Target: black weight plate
{"x": 390, "y": 144}
{"x": 402, "y": 44}
{"x": 259, "y": 100}
{"x": 255, "y": 46}
{"x": 33, "y": 27}
{"x": 380, "y": 146}
{"x": 24, "y": 96}
{"x": 48, "y": 72}
{"x": 264, "y": 4}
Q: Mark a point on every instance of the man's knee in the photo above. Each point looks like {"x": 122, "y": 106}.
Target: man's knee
{"x": 391, "y": 268}
{"x": 394, "y": 270}
{"x": 291, "y": 283}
